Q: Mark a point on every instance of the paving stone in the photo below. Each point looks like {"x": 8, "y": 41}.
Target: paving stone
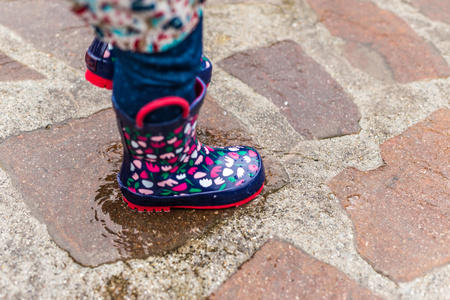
{"x": 401, "y": 211}
{"x": 365, "y": 58}
{"x": 363, "y": 23}
{"x": 11, "y": 70}
{"x": 434, "y": 9}
{"x": 310, "y": 99}
{"x": 50, "y": 27}
{"x": 281, "y": 271}
{"x": 67, "y": 175}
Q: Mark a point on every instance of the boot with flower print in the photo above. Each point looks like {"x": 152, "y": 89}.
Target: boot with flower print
{"x": 165, "y": 166}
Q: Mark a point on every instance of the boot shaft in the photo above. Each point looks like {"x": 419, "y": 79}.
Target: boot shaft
{"x": 162, "y": 147}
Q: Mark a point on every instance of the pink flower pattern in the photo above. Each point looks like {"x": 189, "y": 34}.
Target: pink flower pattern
{"x": 183, "y": 165}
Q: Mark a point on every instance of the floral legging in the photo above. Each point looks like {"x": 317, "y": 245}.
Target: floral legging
{"x": 145, "y": 26}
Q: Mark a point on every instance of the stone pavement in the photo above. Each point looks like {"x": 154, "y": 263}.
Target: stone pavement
{"x": 348, "y": 102}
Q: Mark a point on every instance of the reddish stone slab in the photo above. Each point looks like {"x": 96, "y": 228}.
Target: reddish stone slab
{"x": 310, "y": 99}
{"x": 49, "y": 26}
{"x": 281, "y": 271}
{"x": 11, "y": 70}
{"x": 362, "y": 22}
{"x": 434, "y": 9}
{"x": 401, "y": 211}
{"x": 67, "y": 175}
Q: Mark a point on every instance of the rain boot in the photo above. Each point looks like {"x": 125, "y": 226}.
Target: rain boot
{"x": 165, "y": 166}
{"x": 100, "y": 60}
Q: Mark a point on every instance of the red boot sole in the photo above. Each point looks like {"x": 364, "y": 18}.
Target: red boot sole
{"x": 167, "y": 208}
{"x": 98, "y": 81}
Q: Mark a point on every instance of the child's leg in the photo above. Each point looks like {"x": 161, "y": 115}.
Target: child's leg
{"x": 164, "y": 165}
{"x": 140, "y": 78}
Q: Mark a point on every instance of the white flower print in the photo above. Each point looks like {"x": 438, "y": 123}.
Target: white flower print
{"x": 205, "y": 182}
{"x": 147, "y": 184}
{"x": 227, "y": 172}
{"x": 229, "y": 162}
{"x": 151, "y": 157}
{"x": 233, "y": 149}
{"x": 181, "y": 176}
{"x": 240, "y": 172}
{"x": 187, "y": 129}
{"x": 247, "y": 159}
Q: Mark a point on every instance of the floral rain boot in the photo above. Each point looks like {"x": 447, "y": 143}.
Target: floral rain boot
{"x": 165, "y": 166}
{"x": 100, "y": 59}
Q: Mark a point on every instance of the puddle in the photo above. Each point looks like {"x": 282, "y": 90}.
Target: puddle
{"x": 138, "y": 235}
{"x": 67, "y": 176}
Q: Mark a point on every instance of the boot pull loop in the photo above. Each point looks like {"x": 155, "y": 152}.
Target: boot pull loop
{"x": 166, "y": 101}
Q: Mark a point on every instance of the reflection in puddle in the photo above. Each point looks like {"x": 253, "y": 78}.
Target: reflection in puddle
{"x": 136, "y": 234}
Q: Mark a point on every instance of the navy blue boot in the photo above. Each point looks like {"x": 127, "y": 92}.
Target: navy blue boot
{"x": 165, "y": 166}
{"x": 100, "y": 59}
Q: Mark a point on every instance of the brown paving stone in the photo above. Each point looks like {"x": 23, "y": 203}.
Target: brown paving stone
{"x": 49, "y": 26}
{"x": 362, "y": 22}
{"x": 434, "y": 9}
{"x": 281, "y": 271}
{"x": 67, "y": 175}
{"x": 401, "y": 211}
{"x": 310, "y": 99}
{"x": 11, "y": 70}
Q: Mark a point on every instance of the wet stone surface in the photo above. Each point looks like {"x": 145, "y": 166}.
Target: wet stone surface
{"x": 11, "y": 70}
{"x": 366, "y": 27}
{"x": 67, "y": 175}
{"x": 280, "y": 271}
{"x": 401, "y": 211}
{"x": 50, "y": 26}
{"x": 306, "y": 95}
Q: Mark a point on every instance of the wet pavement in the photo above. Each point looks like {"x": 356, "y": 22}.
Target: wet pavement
{"x": 348, "y": 103}
{"x": 281, "y": 271}
{"x": 401, "y": 210}
{"x": 93, "y": 223}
